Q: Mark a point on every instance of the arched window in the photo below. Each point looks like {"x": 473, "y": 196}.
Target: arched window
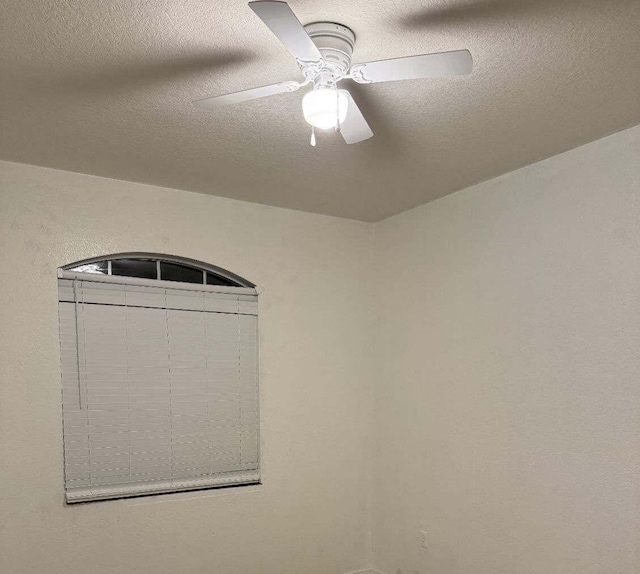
{"x": 159, "y": 358}
{"x": 158, "y": 266}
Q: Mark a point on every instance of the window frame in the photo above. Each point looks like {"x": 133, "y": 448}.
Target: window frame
{"x": 68, "y": 272}
{"x": 159, "y": 258}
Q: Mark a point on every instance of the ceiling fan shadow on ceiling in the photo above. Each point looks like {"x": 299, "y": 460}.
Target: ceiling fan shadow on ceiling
{"x": 323, "y": 51}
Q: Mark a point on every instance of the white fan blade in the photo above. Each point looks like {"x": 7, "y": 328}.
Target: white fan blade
{"x": 355, "y": 128}
{"x": 252, "y": 94}
{"x": 457, "y": 63}
{"x": 281, "y": 20}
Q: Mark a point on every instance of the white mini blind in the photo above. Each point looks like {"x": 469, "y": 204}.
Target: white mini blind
{"x": 159, "y": 387}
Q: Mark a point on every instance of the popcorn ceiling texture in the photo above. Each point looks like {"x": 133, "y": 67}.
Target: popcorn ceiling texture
{"x": 105, "y": 88}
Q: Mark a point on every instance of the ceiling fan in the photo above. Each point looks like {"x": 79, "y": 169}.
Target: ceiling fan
{"x": 323, "y": 51}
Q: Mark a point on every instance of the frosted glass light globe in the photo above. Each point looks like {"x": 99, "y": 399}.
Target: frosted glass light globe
{"x": 319, "y": 107}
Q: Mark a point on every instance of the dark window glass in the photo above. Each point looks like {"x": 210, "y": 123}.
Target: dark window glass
{"x": 214, "y": 279}
{"x": 176, "y": 272}
{"x": 144, "y": 268}
{"x": 148, "y": 269}
{"x": 100, "y": 267}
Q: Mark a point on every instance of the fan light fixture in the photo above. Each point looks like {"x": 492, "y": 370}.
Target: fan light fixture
{"x": 323, "y": 106}
{"x": 323, "y": 51}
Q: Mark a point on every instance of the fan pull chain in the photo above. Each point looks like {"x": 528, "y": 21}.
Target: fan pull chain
{"x": 335, "y": 86}
{"x": 313, "y": 137}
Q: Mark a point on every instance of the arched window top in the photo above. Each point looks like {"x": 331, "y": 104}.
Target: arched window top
{"x": 159, "y": 266}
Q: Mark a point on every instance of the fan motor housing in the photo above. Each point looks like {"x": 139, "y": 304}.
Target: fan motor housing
{"x": 335, "y": 42}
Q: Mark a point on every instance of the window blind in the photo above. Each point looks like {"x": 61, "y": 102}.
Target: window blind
{"x": 159, "y": 386}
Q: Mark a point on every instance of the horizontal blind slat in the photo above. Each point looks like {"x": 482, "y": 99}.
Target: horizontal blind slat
{"x": 82, "y": 492}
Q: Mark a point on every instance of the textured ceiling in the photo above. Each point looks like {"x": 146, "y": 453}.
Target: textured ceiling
{"x": 104, "y": 87}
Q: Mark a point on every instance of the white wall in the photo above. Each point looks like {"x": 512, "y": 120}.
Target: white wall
{"x": 311, "y": 514}
{"x": 507, "y": 373}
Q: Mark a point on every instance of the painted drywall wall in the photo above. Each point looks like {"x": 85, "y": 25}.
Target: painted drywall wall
{"x": 504, "y": 371}
{"x": 507, "y": 373}
{"x": 311, "y": 514}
